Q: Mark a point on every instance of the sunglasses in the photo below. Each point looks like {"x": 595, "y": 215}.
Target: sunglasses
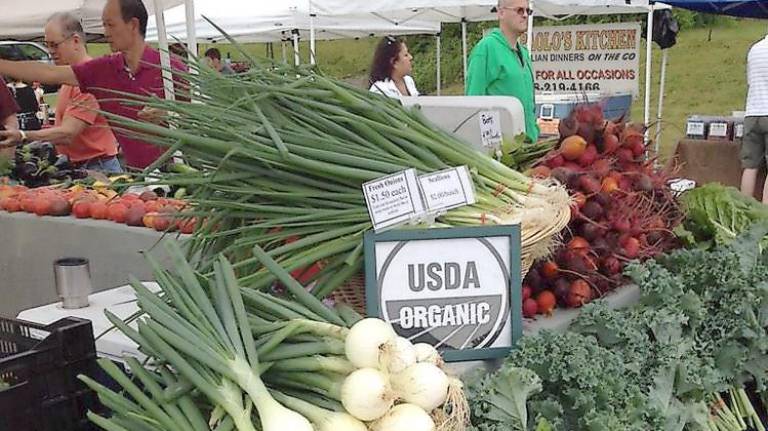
{"x": 52, "y": 46}
{"x": 522, "y": 11}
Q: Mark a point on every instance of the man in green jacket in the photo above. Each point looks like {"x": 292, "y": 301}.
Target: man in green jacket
{"x": 501, "y": 66}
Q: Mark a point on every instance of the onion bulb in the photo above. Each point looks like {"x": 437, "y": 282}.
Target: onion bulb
{"x": 422, "y": 384}
{"x": 397, "y": 355}
{"x": 366, "y": 394}
{"x": 405, "y": 417}
{"x": 365, "y": 340}
{"x": 426, "y": 353}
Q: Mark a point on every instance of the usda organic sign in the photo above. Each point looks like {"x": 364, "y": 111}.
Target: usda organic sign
{"x": 457, "y": 289}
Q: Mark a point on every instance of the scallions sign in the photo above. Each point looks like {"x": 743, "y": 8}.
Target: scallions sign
{"x": 457, "y": 289}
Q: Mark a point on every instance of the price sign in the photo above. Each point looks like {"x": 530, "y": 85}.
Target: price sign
{"x": 490, "y": 129}
{"x": 393, "y": 200}
{"x": 446, "y": 189}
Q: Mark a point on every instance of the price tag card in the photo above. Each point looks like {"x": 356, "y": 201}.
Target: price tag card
{"x": 718, "y": 130}
{"x": 446, "y": 189}
{"x": 490, "y": 128}
{"x": 393, "y": 200}
{"x": 695, "y": 128}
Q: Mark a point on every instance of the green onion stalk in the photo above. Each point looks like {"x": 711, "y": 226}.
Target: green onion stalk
{"x": 214, "y": 352}
{"x": 280, "y": 155}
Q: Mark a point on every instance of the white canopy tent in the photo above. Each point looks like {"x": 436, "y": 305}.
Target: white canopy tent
{"x": 250, "y": 21}
{"x": 463, "y": 11}
{"x": 26, "y": 21}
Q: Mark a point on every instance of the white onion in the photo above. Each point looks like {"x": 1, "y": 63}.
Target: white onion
{"x": 404, "y": 417}
{"x": 336, "y": 421}
{"x": 365, "y": 340}
{"x": 279, "y": 418}
{"x": 423, "y": 384}
{"x": 426, "y": 353}
{"x": 397, "y": 355}
{"x": 366, "y": 394}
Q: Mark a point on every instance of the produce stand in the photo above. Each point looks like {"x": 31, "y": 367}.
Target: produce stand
{"x": 710, "y": 160}
{"x": 30, "y": 245}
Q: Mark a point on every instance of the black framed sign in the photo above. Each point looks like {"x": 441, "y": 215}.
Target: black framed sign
{"x": 457, "y": 289}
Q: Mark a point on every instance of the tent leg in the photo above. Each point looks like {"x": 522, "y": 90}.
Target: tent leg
{"x": 439, "y": 84}
{"x": 529, "y": 39}
{"x": 296, "y": 58}
{"x": 662, "y": 85}
{"x": 165, "y": 59}
{"x": 464, "y": 45}
{"x": 312, "y": 42}
{"x": 189, "y": 8}
{"x": 648, "y": 65}
{"x": 285, "y": 51}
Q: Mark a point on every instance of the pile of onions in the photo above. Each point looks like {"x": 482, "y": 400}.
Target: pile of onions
{"x": 399, "y": 386}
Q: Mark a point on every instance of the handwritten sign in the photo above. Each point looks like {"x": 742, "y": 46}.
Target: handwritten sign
{"x": 394, "y": 199}
{"x": 490, "y": 129}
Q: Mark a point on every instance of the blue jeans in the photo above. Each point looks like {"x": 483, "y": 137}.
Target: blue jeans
{"x": 107, "y": 166}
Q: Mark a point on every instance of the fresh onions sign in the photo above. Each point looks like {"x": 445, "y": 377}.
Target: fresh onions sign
{"x": 455, "y": 289}
{"x": 602, "y": 58}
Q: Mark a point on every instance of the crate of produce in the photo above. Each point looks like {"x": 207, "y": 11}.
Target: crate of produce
{"x": 39, "y": 365}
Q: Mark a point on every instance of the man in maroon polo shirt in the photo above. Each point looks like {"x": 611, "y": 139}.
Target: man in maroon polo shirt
{"x": 8, "y": 108}
{"x": 133, "y": 68}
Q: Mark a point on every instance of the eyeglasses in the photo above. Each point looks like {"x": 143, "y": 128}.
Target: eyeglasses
{"x": 55, "y": 45}
{"x": 522, "y": 11}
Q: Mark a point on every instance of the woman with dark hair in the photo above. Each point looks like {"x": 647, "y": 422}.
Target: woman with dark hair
{"x": 391, "y": 68}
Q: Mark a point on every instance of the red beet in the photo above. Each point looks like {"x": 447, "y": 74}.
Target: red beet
{"x": 610, "y": 265}
{"x": 562, "y": 287}
{"x": 589, "y": 156}
{"x": 526, "y": 292}
{"x": 610, "y": 143}
{"x": 530, "y": 308}
{"x": 589, "y": 185}
{"x": 568, "y": 127}
{"x": 579, "y": 294}
{"x": 631, "y": 247}
{"x": 643, "y": 183}
{"x": 601, "y": 167}
{"x": 621, "y": 224}
{"x": 593, "y": 210}
{"x": 625, "y": 155}
{"x": 591, "y": 231}
{"x": 555, "y": 161}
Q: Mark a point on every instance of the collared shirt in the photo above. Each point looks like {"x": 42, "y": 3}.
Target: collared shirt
{"x": 105, "y": 75}
{"x": 97, "y": 139}
{"x": 757, "y": 79}
{"x": 8, "y": 105}
{"x": 388, "y": 87}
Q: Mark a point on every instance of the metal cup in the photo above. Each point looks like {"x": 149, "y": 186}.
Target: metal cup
{"x": 73, "y": 281}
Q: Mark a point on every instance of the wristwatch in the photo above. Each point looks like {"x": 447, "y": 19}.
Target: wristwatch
{"x": 23, "y": 136}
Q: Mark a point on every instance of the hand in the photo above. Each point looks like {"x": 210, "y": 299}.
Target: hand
{"x": 153, "y": 115}
{"x": 9, "y": 138}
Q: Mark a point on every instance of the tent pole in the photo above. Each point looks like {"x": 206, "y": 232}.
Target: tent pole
{"x": 529, "y": 39}
{"x": 437, "y": 42}
{"x": 189, "y": 8}
{"x": 464, "y": 45}
{"x": 296, "y": 58}
{"x": 285, "y": 50}
{"x": 648, "y": 65}
{"x": 312, "y": 41}
{"x": 165, "y": 59}
{"x": 657, "y": 139}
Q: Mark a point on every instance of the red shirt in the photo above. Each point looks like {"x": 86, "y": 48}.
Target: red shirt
{"x": 96, "y": 140}
{"x": 8, "y": 105}
{"x": 105, "y": 75}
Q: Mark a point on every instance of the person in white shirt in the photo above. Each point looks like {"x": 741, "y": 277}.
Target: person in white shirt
{"x": 391, "y": 68}
{"x": 754, "y": 145}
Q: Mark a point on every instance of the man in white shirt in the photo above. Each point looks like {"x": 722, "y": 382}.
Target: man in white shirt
{"x": 755, "y": 141}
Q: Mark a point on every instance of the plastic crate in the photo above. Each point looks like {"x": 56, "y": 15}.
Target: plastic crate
{"x": 41, "y": 364}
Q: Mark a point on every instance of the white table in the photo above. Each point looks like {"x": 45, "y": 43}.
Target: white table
{"x": 112, "y": 343}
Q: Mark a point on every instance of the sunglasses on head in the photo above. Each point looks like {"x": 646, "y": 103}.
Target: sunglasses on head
{"x": 390, "y": 40}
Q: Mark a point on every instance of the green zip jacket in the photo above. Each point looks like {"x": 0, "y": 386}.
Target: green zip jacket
{"x": 497, "y": 70}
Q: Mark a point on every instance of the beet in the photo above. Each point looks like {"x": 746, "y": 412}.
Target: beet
{"x": 589, "y": 156}
{"x": 530, "y": 308}
{"x": 587, "y": 131}
{"x": 580, "y": 293}
{"x": 534, "y": 280}
{"x": 610, "y": 143}
{"x": 643, "y": 183}
{"x": 625, "y": 155}
{"x": 562, "y": 287}
{"x": 604, "y": 199}
{"x": 591, "y": 231}
{"x": 610, "y": 265}
{"x": 593, "y": 210}
{"x": 621, "y": 224}
{"x": 655, "y": 237}
{"x": 600, "y": 244}
{"x": 568, "y": 127}
{"x": 562, "y": 175}
{"x": 589, "y": 185}
{"x": 555, "y": 161}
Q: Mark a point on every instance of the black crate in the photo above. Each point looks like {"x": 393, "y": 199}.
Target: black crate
{"x": 41, "y": 364}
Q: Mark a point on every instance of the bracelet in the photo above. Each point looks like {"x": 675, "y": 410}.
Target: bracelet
{"x": 23, "y": 136}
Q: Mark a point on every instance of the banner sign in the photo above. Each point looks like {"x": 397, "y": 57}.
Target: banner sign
{"x": 602, "y": 58}
{"x": 457, "y": 289}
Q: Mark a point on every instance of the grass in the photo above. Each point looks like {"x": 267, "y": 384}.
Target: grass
{"x": 703, "y": 76}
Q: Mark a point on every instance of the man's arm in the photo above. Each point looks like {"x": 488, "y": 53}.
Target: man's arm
{"x": 29, "y": 71}
{"x": 477, "y": 74}
{"x": 70, "y": 127}
{"x": 11, "y": 123}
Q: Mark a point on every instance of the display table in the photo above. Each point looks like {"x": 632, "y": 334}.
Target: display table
{"x": 29, "y": 245}
{"x": 707, "y": 161}
{"x": 121, "y": 301}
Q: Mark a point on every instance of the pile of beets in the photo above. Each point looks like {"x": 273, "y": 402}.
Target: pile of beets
{"x": 622, "y": 210}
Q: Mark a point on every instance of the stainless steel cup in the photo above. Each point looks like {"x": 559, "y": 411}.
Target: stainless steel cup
{"x": 73, "y": 281}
